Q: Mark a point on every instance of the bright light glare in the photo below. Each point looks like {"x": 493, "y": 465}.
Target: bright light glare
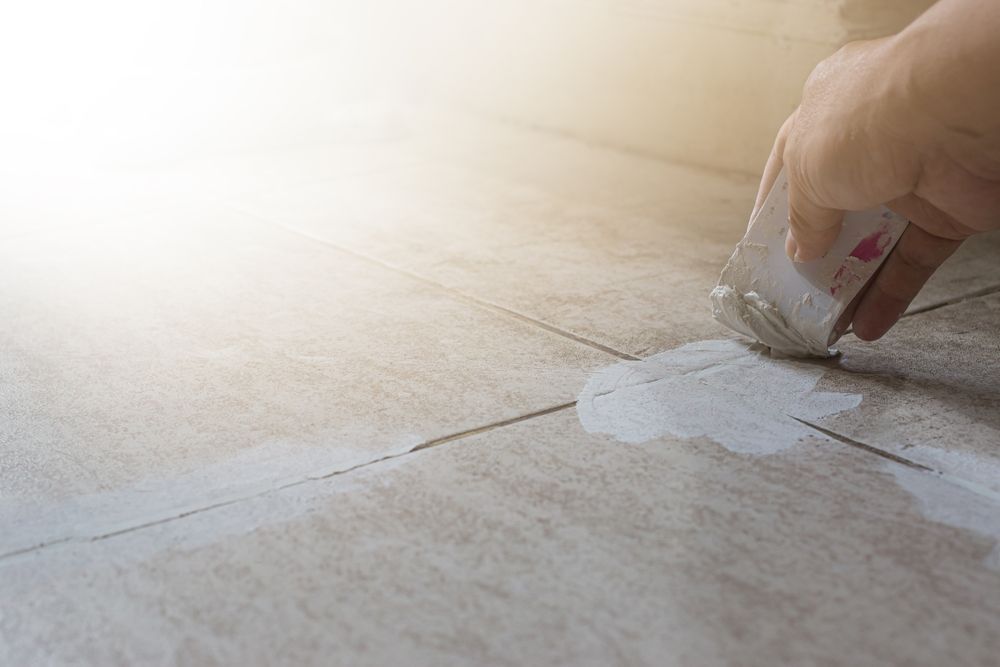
{"x": 127, "y": 80}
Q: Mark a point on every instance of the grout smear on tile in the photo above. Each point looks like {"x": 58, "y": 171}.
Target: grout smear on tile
{"x": 734, "y": 393}
{"x": 740, "y": 397}
{"x": 964, "y": 501}
{"x": 252, "y": 472}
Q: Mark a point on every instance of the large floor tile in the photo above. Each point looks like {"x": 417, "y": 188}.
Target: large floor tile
{"x": 167, "y": 363}
{"x": 973, "y": 269}
{"x": 623, "y": 279}
{"x": 931, "y": 390}
{"x": 615, "y": 248}
{"x": 531, "y": 544}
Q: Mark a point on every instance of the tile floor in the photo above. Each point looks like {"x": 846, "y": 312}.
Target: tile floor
{"x": 317, "y": 407}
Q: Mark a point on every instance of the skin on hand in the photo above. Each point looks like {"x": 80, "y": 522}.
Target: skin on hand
{"x": 910, "y": 121}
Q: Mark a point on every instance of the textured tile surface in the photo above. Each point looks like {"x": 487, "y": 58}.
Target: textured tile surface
{"x": 205, "y": 418}
{"x": 531, "y": 544}
{"x": 931, "y": 390}
{"x": 974, "y": 268}
{"x": 197, "y": 356}
{"x": 614, "y": 248}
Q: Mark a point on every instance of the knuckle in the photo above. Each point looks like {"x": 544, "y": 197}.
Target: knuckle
{"x": 912, "y": 259}
{"x": 801, "y": 192}
{"x": 834, "y": 63}
{"x": 923, "y": 257}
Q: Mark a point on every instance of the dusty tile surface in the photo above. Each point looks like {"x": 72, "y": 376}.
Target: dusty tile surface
{"x": 931, "y": 390}
{"x": 531, "y": 544}
{"x": 304, "y": 418}
{"x": 615, "y": 248}
{"x": 582, "y": 268}
{"x": 189, "y": 358}
{"x": 974, "y": 268}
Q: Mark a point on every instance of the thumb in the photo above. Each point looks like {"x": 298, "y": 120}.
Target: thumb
{"x": 812, "y": 229}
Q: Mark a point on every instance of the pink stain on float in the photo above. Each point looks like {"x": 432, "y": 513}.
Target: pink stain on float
{"x": 872, "y": 246}
{"x": 869, "y": 248}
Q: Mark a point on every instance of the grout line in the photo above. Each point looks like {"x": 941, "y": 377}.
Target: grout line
{"x": 968, "y": 485}
{"x": 548, "y": 327}
{"x": 299, "y": 482}
{"x": 489, "y": 427}
{"x": 975, "y": 294}
{"x": 951, "y": 302}
{"x": 868, "y": 448}
{"x": 36, "y": 547}
{"x": 468, "y": 298}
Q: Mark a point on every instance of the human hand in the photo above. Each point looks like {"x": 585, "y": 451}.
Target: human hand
{"x": 910, "y": 121}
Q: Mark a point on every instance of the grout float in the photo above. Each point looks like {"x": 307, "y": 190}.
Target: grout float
{"x": 792, "y": 307}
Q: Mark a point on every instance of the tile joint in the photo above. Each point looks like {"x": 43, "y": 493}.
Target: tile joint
{"x": 299, "y": 482}
{"x": 955, "y": 480}
{"x": 468, "y": 298}
{"x": 863, "y": 446}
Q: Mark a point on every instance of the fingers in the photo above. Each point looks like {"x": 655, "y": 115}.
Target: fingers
{"x": 914, "y": 259}
{"x": 928, "y": 216}
{"x": 846, "y": 317}
{"x": 812, "y": 229}
{"x": 773, "y": 166}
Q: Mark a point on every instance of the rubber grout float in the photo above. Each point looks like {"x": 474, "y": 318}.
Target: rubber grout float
{"x": 793, "y": 307}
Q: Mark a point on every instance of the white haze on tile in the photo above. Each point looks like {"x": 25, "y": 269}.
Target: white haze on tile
{"x": 731, "y": 392}
{"x": 966, "y": 500}
{"x": 253, "y": 472}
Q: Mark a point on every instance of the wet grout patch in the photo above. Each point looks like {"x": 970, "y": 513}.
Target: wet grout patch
{"x": 960, "y": 502}
{"x": 731, "y": 392}
{"x": 740, "y": 397}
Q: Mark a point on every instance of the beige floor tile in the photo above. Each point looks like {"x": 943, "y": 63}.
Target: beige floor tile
{"x": 186, "y": 359}
{"x": 622, "y": 279}
{"x": 973, "y": 269}
{"x": 931, "y": 390}
{"x": 531, "y": 544}
{"x": 615, "y": 248}
{"x": 205, "y": 418}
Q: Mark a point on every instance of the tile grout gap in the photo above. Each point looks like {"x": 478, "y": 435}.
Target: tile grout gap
{"x": 975, "y": 294}
{"x": 857, "y": 444}
{"x": 307, "y": 479}
{"x": 955, "y": 480}
{"x": 468, "y": 298}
